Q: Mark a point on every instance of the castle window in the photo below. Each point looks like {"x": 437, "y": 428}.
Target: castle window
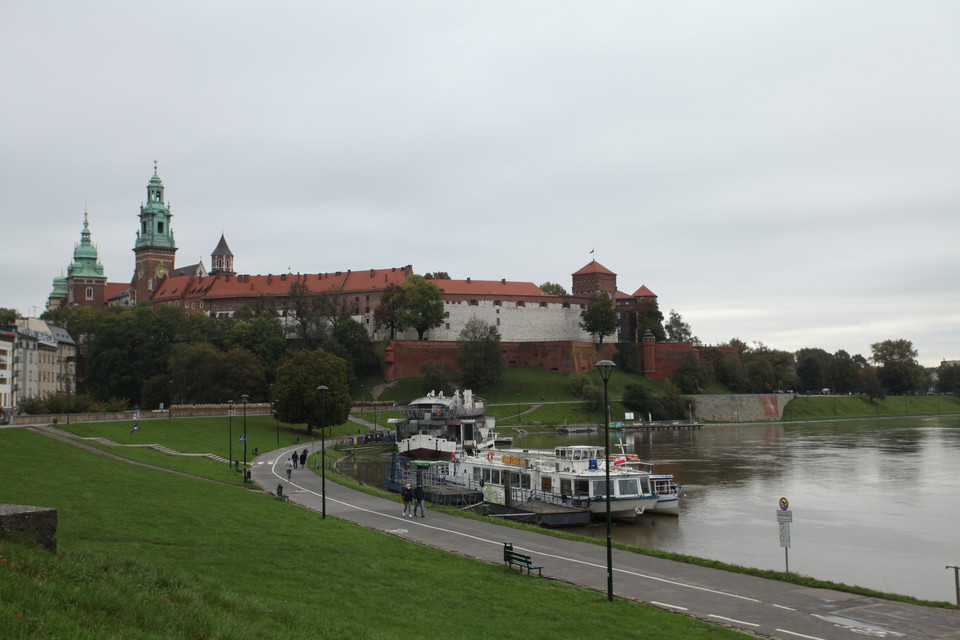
{"x": 160, "y": 227}
{"x": 89, "y": 293}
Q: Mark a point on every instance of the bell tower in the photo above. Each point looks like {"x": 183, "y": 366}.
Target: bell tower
{"x": 154, "y": 249}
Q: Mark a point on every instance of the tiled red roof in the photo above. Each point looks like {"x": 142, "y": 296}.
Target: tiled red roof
{"x": 487, "y": 288}
{"x": 594, "y": 267}
{"x": 113, "y": 289}
{"x": 221, "y": 286}
{"x": 643, "y": 292}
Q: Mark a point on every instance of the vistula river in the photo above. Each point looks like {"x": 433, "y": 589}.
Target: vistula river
{"x": 875, "y": 503}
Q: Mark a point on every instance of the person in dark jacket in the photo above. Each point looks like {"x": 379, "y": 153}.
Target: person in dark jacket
{"x": 303, "y": 459}
{"x": 418, "y": 501}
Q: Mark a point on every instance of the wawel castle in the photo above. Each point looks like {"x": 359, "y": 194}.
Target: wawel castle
{"x": 521, "y": 311}
{"x": 537, "y": 329}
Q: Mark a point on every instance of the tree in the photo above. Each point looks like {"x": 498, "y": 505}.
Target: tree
{"x": 437, "y": 275}
{"x": 899, "y": 372}
{"x": 811, "y": 369}
{"x": 842, "y": 373}
{"x": 553, "y": 289}
{"x": 599, "y": 317}
{"x": 639, "y": 399}
{"x": 422, "y": 306}
{"x": 262, "y": 336}
{"x": 432, "y": 377}
{"x": 692, "y": 376}
{"x": 349, "y": 340}
{"x": 479, "y": 355}
{"x": 649, "y": 318}
{"x": 893, "y": 351}
{"x": 871, "y": 386}
{"x": 294, "y": 391}
{"x": 626, "y": 357}
{"x": 8, "y": 317}
{"x": 948, "y": 378}
{"x": 679, "y": 331}
{"x": 385, "y": 315}
{"x": 242, "y": 373}
{"x": 195, "y": 370}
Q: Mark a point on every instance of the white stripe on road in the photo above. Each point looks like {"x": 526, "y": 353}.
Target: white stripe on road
{"x": 749, "y": 624}
{"x": 669, "y": 606}
{"x": 800, "y": 635}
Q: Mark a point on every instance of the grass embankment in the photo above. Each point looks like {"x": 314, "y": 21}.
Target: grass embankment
{"x": 829, "y": 407}
{"x": 149, "y": 554}
{"x": 522, "y": 388}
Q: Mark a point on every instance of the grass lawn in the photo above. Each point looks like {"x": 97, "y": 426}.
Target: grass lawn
{"x": 148, "y": 554}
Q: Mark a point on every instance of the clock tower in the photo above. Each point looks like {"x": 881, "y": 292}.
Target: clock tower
{"x": 154, "y": 249}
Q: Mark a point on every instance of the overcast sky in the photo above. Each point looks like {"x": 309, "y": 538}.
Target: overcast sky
{"x": 780, "y": 172}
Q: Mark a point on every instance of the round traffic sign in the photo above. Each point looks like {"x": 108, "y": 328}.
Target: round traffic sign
{"x": 784, "y": 504}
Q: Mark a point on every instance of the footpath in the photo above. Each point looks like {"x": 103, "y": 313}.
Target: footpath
{"x": 757, "y": 606}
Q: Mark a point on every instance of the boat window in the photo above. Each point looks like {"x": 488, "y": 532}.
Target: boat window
{"x": 582, "y": 487}
{"x": 576, "y": 454}
{"x": 645, "y": 485}
{"x": 627, "y": 486}
{"x": 599, "y": 488}
{"x": 566, "y": 486}
{"x": 477, "y": 474}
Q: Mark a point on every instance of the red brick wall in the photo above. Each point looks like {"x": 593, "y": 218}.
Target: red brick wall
{"x": 403, "y": 358}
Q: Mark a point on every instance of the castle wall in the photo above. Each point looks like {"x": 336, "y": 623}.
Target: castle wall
{"x": 517, "y": 321}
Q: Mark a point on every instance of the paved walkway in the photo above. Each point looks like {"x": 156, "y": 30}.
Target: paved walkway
{"x": 766, "y": 608}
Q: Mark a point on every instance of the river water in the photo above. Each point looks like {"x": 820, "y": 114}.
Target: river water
{"x": 875, "y": 503}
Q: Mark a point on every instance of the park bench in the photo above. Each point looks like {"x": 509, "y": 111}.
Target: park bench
{"x": 280, "y": 494}
{"x": 511, "y": 557}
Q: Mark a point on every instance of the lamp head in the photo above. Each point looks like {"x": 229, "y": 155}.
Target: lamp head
{"x": 244, "y": 397}
{"x": 322, "y": 388}
{"x": 606, "y": 367}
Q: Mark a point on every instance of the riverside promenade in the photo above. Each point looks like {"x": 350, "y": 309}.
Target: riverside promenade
{"x": 756, "y": 606}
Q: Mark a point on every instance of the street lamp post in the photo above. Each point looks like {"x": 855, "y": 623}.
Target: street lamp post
{"x": 606, "y": 368}
{"x": 323, "y": 451}
{"x": 230, "y": 421}
{"x": 244, "y": 397}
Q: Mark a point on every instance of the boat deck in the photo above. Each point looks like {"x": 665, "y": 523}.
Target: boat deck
{"x": 451, "y": 494}
{"x": 543, "y": 513}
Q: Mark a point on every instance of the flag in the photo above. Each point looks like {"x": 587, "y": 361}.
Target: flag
{"x": 619, "y": 461}
{"x": 591, "y": 251}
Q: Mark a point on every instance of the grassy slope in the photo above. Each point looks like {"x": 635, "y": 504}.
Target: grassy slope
{"x": 148, "y": 554}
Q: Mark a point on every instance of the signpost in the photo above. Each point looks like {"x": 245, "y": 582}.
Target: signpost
{"x": 784, "y": 518}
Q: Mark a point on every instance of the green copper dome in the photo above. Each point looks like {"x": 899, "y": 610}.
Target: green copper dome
{"x": 85, "y": 259}
{"x": 155, "y": 218}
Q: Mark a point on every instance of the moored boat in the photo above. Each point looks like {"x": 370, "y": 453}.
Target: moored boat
{"x": 573, "y": 476}
{"x": 436, "y": 427}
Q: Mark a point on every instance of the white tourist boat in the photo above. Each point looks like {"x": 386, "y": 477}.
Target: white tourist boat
{"x": 668, "y": 492}
{"x": 436, "y": 427}
{"x": 573, "y": 476}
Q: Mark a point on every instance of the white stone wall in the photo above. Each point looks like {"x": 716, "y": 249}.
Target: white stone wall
{"x": 515, "y": 322}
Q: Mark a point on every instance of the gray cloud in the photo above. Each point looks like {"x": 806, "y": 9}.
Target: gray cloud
{"x": 779, "y": 173}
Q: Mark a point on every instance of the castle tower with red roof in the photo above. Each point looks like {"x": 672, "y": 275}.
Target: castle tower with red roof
{"x": 593, "y": 279}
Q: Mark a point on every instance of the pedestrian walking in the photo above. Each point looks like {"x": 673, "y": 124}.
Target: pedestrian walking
{"x": 407, "y": 496}
{"x": 289, "y": 465}
{"x": 418, "y": 501}
{"x": 303, "y": 459}
{"x": 295, "y": 459}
